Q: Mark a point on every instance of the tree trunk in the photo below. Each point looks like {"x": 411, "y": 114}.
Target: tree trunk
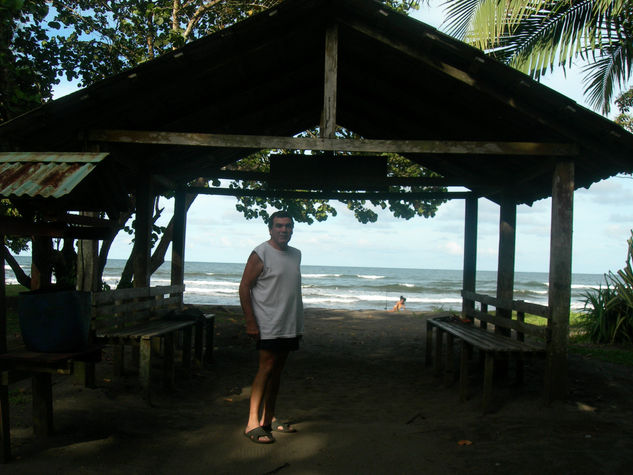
{"x": 21, "y": 276}
{"x": 158, "y": 257}
{"x": 107, "y": 243}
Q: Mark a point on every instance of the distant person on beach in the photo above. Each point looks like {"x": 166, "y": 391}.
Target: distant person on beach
{"x": 399, "y": 305}
{"x": 270, "y": 295}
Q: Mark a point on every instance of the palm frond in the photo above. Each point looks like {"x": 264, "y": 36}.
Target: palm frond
{"x": 607, "y": 72}
{"x": 459, "y": 14}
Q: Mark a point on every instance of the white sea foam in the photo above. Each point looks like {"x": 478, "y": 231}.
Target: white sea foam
{"x": 215, "y": 291}
{"x": 319, "y": 276}
{"x": 210, "y": 283}
{"x": 585, "y": 286}
{"x": 372, "y": 277}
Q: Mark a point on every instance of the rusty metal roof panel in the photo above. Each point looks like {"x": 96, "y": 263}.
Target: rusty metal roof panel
{"x": 44, "y": 175}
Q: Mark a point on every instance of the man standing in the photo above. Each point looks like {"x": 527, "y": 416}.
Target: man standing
{"x": 270, "y": 295}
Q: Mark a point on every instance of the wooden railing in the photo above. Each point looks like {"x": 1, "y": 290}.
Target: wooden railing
{"x": 519, "y": 306}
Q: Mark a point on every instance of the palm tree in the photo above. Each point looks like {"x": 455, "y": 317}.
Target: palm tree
{"x": 537, "y": 35}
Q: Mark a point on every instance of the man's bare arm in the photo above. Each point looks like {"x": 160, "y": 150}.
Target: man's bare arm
{"x": 254, "y": 267}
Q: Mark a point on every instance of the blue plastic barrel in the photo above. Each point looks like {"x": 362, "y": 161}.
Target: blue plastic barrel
{"x": 54, "y": 321}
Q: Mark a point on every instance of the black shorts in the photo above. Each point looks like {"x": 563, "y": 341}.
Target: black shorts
{"x": 279, "y": 344}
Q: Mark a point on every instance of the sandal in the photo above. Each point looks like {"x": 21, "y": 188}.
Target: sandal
{"x": 279, "y": 426}
{"x": 255, "y": 434}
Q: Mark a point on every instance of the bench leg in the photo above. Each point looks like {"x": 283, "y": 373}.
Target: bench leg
{"x": 428, "y": 359}
{"x": 84, "y": 374}
{"x": 437, "y": 361}
{"x": 42, "y": 405}
{"x": 118, "y": 355}
{"x": 145, "y": 366}
{"x": 168, "y": 360}
{"x": 488, "y": 379}
{"x": 5, "y": 426}
{"x": 136, "y": 356}
{"x": 209, "y": 333}
{"x": 519, "y": 368}
{"x": 449, "y": 366}
{"x": 187, "y": 340}
{"x": 464, "y": 357}
{"x": 198, "y": 341}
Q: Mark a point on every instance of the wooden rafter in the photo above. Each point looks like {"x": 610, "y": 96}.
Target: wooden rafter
{"x": 464, "y": 147}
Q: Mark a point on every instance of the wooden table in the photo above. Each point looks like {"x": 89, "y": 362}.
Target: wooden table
{"x": 21, "y": 363}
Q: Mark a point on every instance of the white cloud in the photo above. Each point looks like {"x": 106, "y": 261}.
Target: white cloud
{"x": 453, "y": 248}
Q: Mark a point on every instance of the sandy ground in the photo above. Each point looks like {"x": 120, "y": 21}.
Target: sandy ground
{"x": 362, "y": 400}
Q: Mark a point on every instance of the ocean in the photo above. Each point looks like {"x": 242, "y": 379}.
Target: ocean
{"x": 355, "y": 288}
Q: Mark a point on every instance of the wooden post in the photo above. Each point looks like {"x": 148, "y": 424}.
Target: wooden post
{"x": 142, "y": 236}
{"x": 87, "y": 281}
{"x": 42, "y": 405}
{"x": 470, "y": 251}
{"x": 505, "y": 267}
{"x": 3, "y": 303}
{"x": 5, "y": 426}
{"x": 560, "y": 280}
{"x": 328, "y": 119}
{"x": 178, "y": 242}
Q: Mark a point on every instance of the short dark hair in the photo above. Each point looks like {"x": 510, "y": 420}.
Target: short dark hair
{"x": 279, "y": 214}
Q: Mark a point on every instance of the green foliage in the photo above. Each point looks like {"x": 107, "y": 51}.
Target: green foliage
{"x": 28, "y": 58}
{"x": 624, "y": 102}
{"x": 608, "y": 311}
{"x": 307, "y": 211}
{"x": 16, "y": 245}
{"x": 537, "y": 35}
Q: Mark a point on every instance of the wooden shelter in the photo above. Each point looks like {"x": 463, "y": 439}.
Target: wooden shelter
{"x": 400, "y": 84}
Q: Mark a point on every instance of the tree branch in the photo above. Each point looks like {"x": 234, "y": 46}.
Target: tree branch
{"x": 195, "y": 18}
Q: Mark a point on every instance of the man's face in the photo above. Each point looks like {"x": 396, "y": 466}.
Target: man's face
{"x": 281, "y": 232}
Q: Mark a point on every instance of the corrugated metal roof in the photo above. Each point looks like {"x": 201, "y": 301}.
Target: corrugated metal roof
{"x": 45, "y": 175}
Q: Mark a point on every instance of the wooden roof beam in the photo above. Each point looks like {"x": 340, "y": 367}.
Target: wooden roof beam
{"x": 331, "y": 195}
{"x": 388, "y": 181}
{"x": 465, "y": 148}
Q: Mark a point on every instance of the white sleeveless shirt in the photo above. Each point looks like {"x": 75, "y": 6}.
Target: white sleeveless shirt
{"x": 276, "y": 295}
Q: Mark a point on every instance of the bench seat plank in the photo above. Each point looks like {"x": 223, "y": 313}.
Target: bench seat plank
{"x": 149, "y": 329}
{"x": 483, "y": 339}
{"x": 490, "y": 343}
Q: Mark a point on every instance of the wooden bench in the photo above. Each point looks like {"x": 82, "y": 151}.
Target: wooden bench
{"x": 19, "y": 364}
{"x": 507, "y": 338}
{"x": 148, "y": 319}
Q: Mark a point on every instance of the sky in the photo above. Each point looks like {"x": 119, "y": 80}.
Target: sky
{"x": 603, "y": 218}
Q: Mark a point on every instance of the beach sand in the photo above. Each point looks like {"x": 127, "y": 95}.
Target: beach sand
{"x": 361, "y": 399}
